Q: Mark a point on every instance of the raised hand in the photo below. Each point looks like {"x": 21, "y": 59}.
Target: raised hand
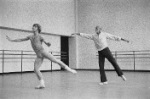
{"x": 48, "y": 44}
{"x": 73, "y": 34}
{"x": 127, "y": 41}
{"x": 8, "y": 38}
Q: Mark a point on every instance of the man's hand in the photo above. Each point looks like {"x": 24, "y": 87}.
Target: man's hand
{"x": 8, "y": 38}
{"x": 73, "y": 34}
{"x": 48, "y": 44}
{"x": 125, "y": 40}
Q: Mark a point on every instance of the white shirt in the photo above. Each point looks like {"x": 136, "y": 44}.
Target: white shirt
{"x": 101, "y": 39}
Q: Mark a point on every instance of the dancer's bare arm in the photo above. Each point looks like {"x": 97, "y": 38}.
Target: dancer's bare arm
{"x": 17, "y": 40}
{"x": 47, "y": 43}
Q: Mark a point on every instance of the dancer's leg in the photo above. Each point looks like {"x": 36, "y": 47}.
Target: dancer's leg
{"x": 37, "y": 65}
{"x": 101, "y": 66}
{"x": 112, "y": 60}
{"x": 53, "y": 59}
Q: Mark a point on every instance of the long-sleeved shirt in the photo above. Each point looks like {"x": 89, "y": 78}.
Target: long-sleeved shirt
{"x": 101, "y": 39}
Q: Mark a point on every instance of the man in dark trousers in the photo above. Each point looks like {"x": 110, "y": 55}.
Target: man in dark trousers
{"x": 100, "y": 40}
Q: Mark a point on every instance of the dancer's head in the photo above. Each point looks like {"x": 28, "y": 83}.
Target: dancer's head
{"x": 98, "y": 30}
{"x": 36, "y": 27}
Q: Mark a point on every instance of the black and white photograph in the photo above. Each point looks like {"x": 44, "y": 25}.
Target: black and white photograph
{"x": 74, "y": 49}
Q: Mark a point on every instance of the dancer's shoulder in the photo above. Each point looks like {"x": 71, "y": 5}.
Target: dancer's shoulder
{"x": 30, "y": 36}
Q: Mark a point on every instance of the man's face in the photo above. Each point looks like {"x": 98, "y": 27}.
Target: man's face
{"x": 98, "y": 30}
{"x": 34, "y": 28}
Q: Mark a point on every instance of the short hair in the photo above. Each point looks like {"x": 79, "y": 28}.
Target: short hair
{"x": 98, "y": 27}
{"x": 38, "y": 26}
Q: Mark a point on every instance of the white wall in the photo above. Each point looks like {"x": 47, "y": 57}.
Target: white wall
{"x": 55, "y": 16}
{"x": 126, "y": 18}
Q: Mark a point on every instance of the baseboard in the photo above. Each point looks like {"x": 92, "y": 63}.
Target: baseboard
{"x": 76, "y": 69}
{"x": 114, "y": 70}
{"x": 28, "y": 72}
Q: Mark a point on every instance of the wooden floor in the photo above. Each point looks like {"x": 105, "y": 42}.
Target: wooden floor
{"x": 84, "y": 85}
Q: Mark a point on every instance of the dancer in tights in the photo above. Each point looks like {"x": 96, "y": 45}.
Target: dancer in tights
{"x": 100, "y": 40}
{"x": 36, "y": 42}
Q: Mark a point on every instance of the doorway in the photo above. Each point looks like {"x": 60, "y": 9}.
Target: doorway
{"x": 65, "y": 50}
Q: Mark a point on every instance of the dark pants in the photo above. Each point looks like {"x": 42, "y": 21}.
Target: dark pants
{"x": 106, "y": 53}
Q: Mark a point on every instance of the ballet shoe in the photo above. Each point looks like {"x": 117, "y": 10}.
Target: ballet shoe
{"x": 103, "y": 83}
{"x": 40, "y": 87}
{"x": 123, "y": 77}
{"x": 73, "y": 71}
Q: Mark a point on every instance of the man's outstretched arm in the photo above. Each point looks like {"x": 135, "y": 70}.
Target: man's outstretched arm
{"x": 17, "y": 40}
{"x": 85, "y": 35}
